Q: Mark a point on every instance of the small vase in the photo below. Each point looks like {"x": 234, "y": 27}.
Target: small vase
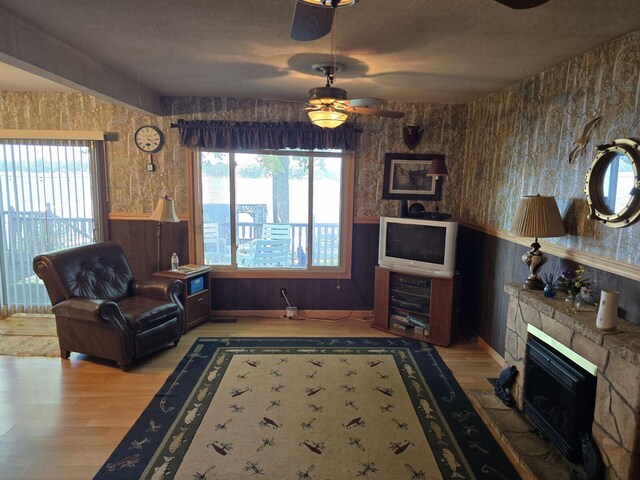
{"x": 571, "y": 304}
{"x": 549, "y": 291}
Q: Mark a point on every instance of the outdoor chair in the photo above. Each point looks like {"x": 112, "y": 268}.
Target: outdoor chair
{"x": 101, "y": 310}
{"x": 272, "y": 249}
{"x": 216, "y": 248}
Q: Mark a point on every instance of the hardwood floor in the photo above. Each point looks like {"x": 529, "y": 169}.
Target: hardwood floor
{"x": 60, "y": 419}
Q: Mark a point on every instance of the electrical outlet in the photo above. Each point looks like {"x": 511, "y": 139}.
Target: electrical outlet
{"x": 283, "y": 292}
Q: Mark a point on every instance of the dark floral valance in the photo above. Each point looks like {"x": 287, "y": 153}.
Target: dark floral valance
{"x": 222, "y": 135}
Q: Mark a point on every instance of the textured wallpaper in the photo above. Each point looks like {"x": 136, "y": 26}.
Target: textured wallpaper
{"x": 506, "y": 145}
{"x": 132, "y": 188}
{"x": 444, "y": 133}
{"x": 518, "y": 143}
{"x": 135, "y": 190}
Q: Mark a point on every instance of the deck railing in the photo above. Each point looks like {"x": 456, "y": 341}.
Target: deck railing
{"x": 27, "y": 234}
{"x": 325, "y": 243}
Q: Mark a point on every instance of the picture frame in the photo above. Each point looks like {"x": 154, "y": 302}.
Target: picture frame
{"x": 406, "y": 177}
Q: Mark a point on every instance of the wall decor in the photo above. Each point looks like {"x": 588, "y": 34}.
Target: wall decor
{"x": 407, "y": 177}
{"x": 580, "y": 144}
{"x": 412, "y": 134}
{"x": 149, "y": 139}
{"x": 613, "y": 185}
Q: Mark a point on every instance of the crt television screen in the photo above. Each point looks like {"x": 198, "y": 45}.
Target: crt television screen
{"x": 422, "y": 243}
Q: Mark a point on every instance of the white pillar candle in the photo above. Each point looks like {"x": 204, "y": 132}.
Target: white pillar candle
{"x": 607, "y": 311}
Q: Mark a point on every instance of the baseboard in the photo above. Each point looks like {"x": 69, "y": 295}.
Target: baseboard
{"x": 320, "y": 314}
{"x": 487, "y": 348}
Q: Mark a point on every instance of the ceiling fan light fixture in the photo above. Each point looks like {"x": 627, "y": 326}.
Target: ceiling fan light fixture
{"x": 330, "y": 3}
{"x": 326, "y": 95}
{"x": 327, "y": 117}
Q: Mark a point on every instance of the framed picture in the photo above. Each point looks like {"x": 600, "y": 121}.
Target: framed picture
{"x": 406, "y": 177}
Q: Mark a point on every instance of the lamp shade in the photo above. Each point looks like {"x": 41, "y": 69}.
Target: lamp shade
{"x": 327, "y": 117}
{"x": 165, "y": 211}
{"x": 538, "y": 216}
{"x": 438, "y": 167}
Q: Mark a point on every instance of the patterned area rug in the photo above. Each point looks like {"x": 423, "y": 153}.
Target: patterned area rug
{"x": 309, "y": 409}
{"x": 26, "y": 335}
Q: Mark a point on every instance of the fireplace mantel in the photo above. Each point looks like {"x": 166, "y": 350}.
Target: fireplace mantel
{"x": 616, "y": 426}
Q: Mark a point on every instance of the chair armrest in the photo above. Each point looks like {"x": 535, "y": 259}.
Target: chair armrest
{"x": 167, "y": 289}
{"x": 87, "y": 309}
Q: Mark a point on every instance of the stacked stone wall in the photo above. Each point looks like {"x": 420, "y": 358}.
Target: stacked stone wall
{"x": 616, "y": 356}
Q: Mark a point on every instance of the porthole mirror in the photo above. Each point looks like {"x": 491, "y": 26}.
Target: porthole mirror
{"x": 613, "y": 186}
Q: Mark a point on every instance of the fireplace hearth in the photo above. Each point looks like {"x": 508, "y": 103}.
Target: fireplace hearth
{"x": 559, "y": 397}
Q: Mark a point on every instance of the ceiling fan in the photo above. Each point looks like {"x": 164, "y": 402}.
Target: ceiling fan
{"x": 328, "y": 106}
{"x": 522, "y": 4}
{"x": 312, "y": 19}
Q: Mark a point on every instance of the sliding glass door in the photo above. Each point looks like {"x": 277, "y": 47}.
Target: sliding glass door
{"x": 49, "y": 199}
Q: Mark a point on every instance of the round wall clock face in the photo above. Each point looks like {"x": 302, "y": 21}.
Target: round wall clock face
{"x": 149, "y": 139}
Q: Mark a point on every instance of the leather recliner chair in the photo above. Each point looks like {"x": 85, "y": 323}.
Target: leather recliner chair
{"x": 101, "y": 310}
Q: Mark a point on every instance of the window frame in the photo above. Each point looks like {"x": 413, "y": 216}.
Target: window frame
{"x": 195, "y": 230}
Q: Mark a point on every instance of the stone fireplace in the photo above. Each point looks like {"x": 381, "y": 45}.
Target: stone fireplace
{"x": 616, "y": 355}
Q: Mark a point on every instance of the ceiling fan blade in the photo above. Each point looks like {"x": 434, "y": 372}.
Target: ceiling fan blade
{"x": 378, "y": 112}
{"x": 310, "y": 22}
{"x": 522, "y": 4}
{"x": 366, "y": 102}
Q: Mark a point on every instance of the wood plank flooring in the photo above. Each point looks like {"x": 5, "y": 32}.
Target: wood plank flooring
{"x": 60, "y": 419}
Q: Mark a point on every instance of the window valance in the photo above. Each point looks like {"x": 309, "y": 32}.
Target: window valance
{"x": 216, "y": 134}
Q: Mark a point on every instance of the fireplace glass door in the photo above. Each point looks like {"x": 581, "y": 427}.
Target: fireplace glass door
{"x": 559, "y": 397}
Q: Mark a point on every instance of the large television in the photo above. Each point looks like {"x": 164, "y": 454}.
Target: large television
{"x": 417, "y": 245}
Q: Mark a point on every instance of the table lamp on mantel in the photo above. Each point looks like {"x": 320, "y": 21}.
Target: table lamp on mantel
{"x": 537, "y": 217}
{"x": 165, "y": 212}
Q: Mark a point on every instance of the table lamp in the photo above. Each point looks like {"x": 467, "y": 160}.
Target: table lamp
{"x": 164, "y": 212}
{"x": 438, "y": 169}
{"x": 537, "y": 217}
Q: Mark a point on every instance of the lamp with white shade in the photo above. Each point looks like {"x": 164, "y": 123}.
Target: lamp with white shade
{"x": 538, "y": 217}
{"x": 165, "y": 212}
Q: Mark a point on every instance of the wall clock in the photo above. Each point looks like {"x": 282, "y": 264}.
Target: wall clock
{"x": 149, "y": 139}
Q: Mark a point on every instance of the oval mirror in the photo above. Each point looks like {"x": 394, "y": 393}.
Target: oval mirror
{"x": 613, "y": 186}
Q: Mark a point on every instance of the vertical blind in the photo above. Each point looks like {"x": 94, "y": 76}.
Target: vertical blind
{"x": 47, "y": 202}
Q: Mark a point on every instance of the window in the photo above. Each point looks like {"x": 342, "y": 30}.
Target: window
{"x": 272, "y": 211}
{"x": 51, "y": 195}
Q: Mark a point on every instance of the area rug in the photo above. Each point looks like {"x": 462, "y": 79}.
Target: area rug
{"x": 309, "y": 409}
{"x": 25, "y": 335}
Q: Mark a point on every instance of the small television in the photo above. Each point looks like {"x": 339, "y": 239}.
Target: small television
{"x": 195, "y": 285}
{"x": 418, "y": 246}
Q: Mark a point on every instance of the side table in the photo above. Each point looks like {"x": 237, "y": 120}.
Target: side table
{"x": 196, "y": 293}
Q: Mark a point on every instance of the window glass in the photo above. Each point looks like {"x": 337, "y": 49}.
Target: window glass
{"x": 327, "y": 201}
{"x": 272, "y": 210}
{"x": 49, "y": 192}
{"x": 216, "y": 208}
{"x": 272, "y": 194}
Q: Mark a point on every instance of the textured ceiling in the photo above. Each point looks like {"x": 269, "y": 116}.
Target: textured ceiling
{"x": 400, "y": 50}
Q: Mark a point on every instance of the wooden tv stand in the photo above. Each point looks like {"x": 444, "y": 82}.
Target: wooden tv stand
{"x": 402, "y": 299}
